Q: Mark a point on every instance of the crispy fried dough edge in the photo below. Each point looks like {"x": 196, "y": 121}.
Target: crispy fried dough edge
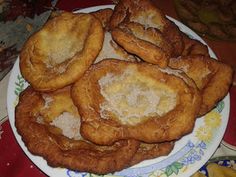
{"x": 103, "y": 131}
{"x": 39, "y": 141}
{"x": 38, "y": 75}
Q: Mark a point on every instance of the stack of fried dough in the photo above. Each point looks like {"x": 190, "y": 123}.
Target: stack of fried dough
{"x": 112, "y": 88}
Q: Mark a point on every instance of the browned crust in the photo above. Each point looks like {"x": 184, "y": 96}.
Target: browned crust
{"x": 148, "y": 44}
{"x": 104, "y": 16}
{"x": 193, "y": 47}
{"x": 60, "y": 151}
{"x": 173, "y": 125}
{"x": 214, "y": 85}
{"x": 131, "y": 11}
{"x": 173, "y": 34}
{"x": 150, "y": 151}
{"x": 33, "y": 56}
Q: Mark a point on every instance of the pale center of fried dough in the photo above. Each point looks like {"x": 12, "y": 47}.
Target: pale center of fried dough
{"x": 111, "y": 50}
{"x": 58, "y": 110}
{"x": 201, "y": 77}
{"x": 69, "y": 124}
{"x": 147, "y": 37}
{"x": 175, "y": 72}
{"x": 148, "y": 19}
{"x": 47, "y": 101}
{"x": 62, "y": 42}
{"x": 133, "y": 97}
{"x": 55, "y": 104}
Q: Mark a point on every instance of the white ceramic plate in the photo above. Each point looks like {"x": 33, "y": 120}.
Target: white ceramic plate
{"x": 189, "y": 154}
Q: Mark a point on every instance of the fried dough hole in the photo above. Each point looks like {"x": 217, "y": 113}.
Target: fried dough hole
{"x": 149, "y": 44}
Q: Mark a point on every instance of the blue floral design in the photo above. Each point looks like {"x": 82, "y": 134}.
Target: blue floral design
{"x": 201, "y": 152}
{"x": 71, "y": 173}
{"x": 195, "y": 154}
{"x": 190, "y": 144}
{"x": 202, "y": 145}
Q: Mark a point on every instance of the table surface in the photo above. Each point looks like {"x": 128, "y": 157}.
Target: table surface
{"x": 11, "y": 155}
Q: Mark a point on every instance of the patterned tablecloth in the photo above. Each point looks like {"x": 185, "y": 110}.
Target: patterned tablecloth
{"x": 13, "y": 161}
{"x": 18, "y": 20}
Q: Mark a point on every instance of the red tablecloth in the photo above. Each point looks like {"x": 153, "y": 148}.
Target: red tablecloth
{"x": 230, "y": 133}
{"x": 13, "y": 161}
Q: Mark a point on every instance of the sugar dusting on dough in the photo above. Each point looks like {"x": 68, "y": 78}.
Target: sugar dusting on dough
{"x": 175, "y": 72}
{"x": 205, "y": 72}
{"x": 185, "y": 68}
{"x": 147, "y": 19}
{"x": 66, "y": 51}
{"x": 40, "y": 120}
{"x": 47, "y": 101}
{"x": 69, "y": 124}
{"x": 133, "y": 97}
{"x": 111, "y": 50}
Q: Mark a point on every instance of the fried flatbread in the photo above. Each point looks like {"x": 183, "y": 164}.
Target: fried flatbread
{"x": 147, "y": 14}
{"x": 121, "y": 100}
{"x": 55, "y": 103}
{"x": 193, "y": 47}
{"x": 212, "y": 77}
{"x": 57, "y": 139}
{"x": 149, "y": 151}
{"x": 61, "y": 51}
{"x": 149, "y": 44}
{"x": 104, "y": 16}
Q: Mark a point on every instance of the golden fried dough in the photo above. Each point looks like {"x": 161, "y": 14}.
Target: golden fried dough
{"x": 111, "y": 49}
{"x": 150, "y": 151}
{"x": 61, "y": 51}
{"x": 140, "y": 11}
{"x": 147, "y": 14}
{"x": 193, "y": 47}
{"x": 149, "y": 44}
{"x": 216, "y": 170}
{"x": 212, "y": 77}
{"x": 57, "y": 139}
{"x": 121, "y": 100}
{"x": 104, "y": 16}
